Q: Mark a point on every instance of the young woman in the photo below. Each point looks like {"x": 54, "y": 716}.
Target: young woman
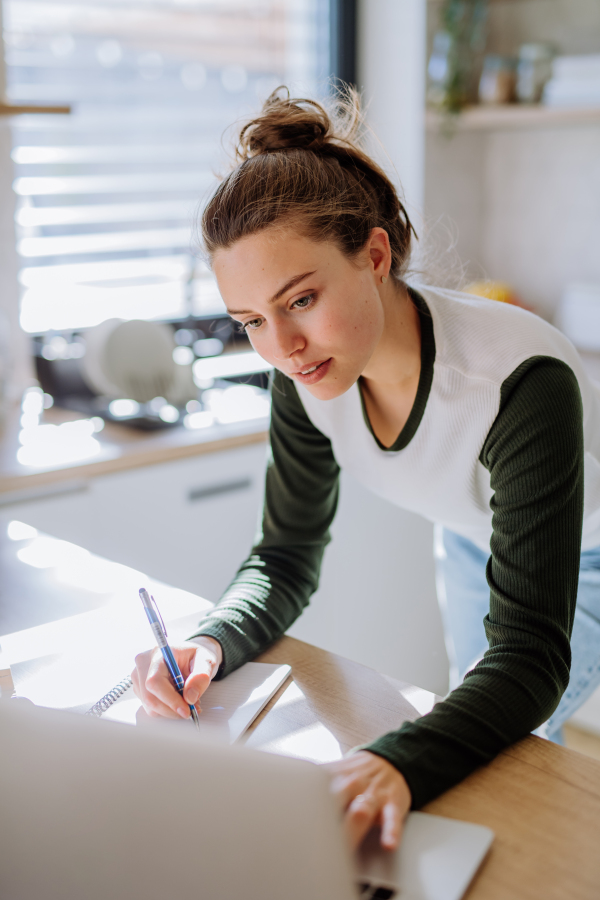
{"x": 475, "y": 414}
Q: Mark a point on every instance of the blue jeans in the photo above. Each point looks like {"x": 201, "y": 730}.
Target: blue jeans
{"x": 464, "y": 599}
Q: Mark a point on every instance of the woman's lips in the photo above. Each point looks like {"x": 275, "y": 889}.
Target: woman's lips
{"x": 316, "y": 375}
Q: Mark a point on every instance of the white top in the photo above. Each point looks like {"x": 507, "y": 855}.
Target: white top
{"x": 479, "y": 343}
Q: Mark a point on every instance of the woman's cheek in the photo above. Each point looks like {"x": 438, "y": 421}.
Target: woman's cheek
{"x": 328, "y": 327}
{"x": 261, "y": 346}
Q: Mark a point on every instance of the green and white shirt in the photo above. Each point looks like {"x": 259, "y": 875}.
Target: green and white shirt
{"x": 502, "y": 446}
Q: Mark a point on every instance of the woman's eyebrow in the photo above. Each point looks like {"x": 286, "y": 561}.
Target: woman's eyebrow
{"x": 282, "y": 290}
{"x": 290, "y": 284}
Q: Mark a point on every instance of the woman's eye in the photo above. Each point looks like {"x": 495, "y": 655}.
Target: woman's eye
{"x": 251, "y": 325}
{"x": 303, "y": 302}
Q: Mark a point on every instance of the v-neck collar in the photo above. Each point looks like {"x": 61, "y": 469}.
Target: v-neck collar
{"x": 425, "y": 380}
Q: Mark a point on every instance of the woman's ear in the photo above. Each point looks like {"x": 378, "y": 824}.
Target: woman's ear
{"x": 380, "y": 252}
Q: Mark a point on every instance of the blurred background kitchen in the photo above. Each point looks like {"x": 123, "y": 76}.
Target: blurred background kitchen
{"x": 133, "y": 414}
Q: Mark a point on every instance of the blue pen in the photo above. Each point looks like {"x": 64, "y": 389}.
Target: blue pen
{"x": 160, "y": 633}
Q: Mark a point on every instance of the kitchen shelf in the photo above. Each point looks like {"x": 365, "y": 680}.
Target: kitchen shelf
{"x": 512, "y": 116}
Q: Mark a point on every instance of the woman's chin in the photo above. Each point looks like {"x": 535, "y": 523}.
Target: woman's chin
{"x": 329, "y": 389}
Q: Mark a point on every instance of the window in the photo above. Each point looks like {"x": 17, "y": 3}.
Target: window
{"x": 106, "y": 196}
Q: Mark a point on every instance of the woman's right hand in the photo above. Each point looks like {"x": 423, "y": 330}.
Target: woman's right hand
{"x": 199, "y": 662}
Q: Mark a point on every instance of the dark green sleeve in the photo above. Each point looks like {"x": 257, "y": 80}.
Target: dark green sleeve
{"x": 534, "y": 453}
{"x": 274, "y": 584}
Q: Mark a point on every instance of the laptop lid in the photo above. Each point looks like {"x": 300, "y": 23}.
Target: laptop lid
{"x": 95, "y": 809}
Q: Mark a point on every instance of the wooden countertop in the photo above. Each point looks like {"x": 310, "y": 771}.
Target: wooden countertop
{"x": 120, "y": 448}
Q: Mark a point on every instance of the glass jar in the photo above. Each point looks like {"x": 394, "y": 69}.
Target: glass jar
{"x": 438, "y": 69}
{"x": 497, "y": 82}
{"x": 534, "y": 69}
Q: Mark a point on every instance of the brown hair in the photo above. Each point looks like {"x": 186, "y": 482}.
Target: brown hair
{"x": 297, "y": 165}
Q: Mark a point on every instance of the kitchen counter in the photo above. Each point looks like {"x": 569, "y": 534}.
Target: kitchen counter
{"x": 116, "y": 448}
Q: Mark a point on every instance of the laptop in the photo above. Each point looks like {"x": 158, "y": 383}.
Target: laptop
{"x": 93, "y": 809}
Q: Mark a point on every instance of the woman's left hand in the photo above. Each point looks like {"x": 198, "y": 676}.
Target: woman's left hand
{"x": 372, "y": 792}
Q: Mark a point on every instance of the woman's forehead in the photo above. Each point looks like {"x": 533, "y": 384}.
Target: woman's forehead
{"x": 273, "y": 247}
{"x": 272, "y": 261}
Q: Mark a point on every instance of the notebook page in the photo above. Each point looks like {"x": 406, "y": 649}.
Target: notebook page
{"x": 228, "y": 706}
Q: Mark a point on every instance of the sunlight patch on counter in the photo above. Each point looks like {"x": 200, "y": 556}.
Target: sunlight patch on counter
{"x": 203, "y": 419}
{"x": 237, "y": 404}
{"x": 224, "y": 406}
{"x": 58, "y": 445}
{"x": 312, "y": 742}
{"x": 51, "y": 446}
{"x": 230, "y": 365}
{"x": 96, "y": 628}
{"x": 77, "y": 567}
{"x": 20, "y": 531}
{"x": 422, "y": 700}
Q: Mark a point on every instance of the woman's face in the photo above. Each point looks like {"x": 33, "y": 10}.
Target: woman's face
{"x": 307, "y": 309}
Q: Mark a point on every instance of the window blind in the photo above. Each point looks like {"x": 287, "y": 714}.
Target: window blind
{"x": 107, "y": 196}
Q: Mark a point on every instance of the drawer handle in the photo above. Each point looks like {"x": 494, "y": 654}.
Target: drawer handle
{"x": 213, "y": 490}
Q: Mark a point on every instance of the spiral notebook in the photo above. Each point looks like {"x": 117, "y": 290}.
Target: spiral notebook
{"x": 228, "y": 706}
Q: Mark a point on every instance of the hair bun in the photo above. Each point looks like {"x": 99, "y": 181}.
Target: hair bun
{"x": 285, "y": 124}
{"x": 301, "y": 166}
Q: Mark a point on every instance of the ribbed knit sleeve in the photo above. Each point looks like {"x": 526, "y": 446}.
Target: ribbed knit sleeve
{"x": 534, "y": 454}
{"x": 274, "y": 584}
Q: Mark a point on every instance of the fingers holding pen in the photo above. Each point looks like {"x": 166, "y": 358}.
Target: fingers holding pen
{"x": 202, "y": 667}
{"x": 162, "y": 679}
{"x": 198, "y": 662}
{"x": 197, "y": 672}
{"x": 160, "y": 687}
{"x": 153, "y": 685}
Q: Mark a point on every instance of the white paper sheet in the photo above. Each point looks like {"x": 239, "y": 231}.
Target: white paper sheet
{"x": 228, "y": 706}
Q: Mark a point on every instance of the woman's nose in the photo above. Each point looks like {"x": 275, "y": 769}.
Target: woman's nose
{"x": 287, "y": 341}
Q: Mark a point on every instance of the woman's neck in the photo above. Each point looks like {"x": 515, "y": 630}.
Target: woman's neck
{"x": 397, "y": 358}
{"x": 390, "y": 381}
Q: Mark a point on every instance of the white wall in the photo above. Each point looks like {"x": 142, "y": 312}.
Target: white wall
{"x": 454, "y": 206}
{"x": 523, "y": 203}
{"x": 391, "y": 50}
{"x": 542, "y": 193}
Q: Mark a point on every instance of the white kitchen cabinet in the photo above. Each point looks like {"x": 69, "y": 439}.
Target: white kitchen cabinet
{"x": 189, "y": 523}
